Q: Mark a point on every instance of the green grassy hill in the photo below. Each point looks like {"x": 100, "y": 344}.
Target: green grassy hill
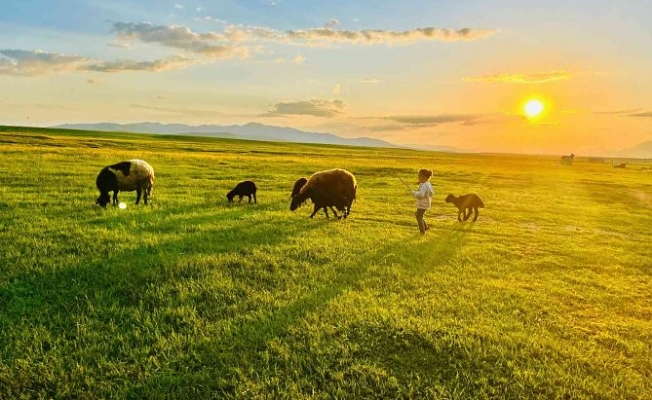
{"x": 548, "y": 295}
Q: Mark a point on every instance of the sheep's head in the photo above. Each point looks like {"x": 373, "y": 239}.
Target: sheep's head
{"x": 230, "y": 196}
{"x": 450, "y": 198}
{"x": 297, "y": 200}
{"x": 298, "y": 185}
{"x": 103, "y": 200}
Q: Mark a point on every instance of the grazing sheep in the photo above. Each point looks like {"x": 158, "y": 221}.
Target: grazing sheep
{"x": 621, "y": 165}
{"x": 125, "y": 176}
{"x": 298, "y": 185}
{"x": 246, "y": 188}
{"x": 331, "y": 188}
{"x": 466, "y": 204}
{"x": 567, "y": 160}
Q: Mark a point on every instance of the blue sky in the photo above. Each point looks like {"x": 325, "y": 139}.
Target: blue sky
{"x": 436, "y": 72}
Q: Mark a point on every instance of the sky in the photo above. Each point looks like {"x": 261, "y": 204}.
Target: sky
{"x": 428, "y": 72}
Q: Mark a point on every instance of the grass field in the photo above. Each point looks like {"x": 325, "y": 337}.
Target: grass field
{"x": 547, "y": 295}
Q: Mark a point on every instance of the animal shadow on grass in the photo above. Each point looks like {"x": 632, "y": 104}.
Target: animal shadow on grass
{"x": 243, "y": 347}
{"x": 111, "y": 288}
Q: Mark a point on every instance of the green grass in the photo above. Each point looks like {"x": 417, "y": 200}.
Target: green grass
{"x": 548, "y": 295}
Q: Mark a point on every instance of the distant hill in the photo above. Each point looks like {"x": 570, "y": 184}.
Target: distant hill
{"x": 250, "y": 131}
{"x": 643, "y": 150}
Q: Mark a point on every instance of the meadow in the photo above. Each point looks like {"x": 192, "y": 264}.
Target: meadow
{"x": 547, "y": 295}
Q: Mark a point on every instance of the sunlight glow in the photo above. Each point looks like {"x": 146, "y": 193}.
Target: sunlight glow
{"x": 533, "y": 108}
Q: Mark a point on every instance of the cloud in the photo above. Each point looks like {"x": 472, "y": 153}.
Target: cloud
{"x": 369, "y": 80}
{"x": 313, "y": 107}
{"x": 537, "y": 77}
{"x": 298, "y": 60}
{"x": 647, "y": 114}
{"x": 337, "y": 89}
{"x": 33, "y": 63}
{"x": 332, "y": 23}
{"x": 92, "y": 81}
{"x": 425, "y": 120}
{"x": 206, "y": 43}
{"x": 185, "y": 111}
{"x": 180, "y": 37}
{"x": 385, "y": 128}
{"x": 150, "y": 66}
{"x": 370, "y": 37}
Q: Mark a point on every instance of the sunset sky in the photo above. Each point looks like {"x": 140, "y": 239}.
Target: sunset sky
{"x": 453, "y": 73}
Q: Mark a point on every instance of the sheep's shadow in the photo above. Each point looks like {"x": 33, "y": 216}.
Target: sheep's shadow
{"x": 246, "y": 343}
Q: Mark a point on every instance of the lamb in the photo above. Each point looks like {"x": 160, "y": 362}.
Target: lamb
{"x": 465, "y": 204}
{"x": 246, "y": 188}
{"x": 331, "y": 188}
{"x": 125, "y": 176}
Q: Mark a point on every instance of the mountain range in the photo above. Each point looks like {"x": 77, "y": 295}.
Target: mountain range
{"x": 257, "y": 131}
{"x": 250, "y": 131}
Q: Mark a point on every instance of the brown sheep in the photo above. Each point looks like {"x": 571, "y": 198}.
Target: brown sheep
{"x": 332, "y": 188}
{"x": 466, "y": 204}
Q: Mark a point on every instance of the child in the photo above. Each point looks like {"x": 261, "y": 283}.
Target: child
{"x": 424, "y": 197}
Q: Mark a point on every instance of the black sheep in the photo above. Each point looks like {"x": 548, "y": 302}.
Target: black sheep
{"x": 246, "y": 188}
{"x": 298, "y": 185}
{"x": 466, "y": 204}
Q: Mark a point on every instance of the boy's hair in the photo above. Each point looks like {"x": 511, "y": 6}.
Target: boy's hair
{"x": 425, "y": 173}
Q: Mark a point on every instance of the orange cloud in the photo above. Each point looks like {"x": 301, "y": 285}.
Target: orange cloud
{"x": 537, "y": 77}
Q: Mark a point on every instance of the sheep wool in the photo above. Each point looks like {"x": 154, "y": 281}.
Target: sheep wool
{"x": 125, "y": 176}
{"x": 331, "y": 188}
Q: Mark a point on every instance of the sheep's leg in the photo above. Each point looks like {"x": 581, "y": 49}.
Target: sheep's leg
{"x": 467, "y": 213}
{"x": 334, "y": 213}
{"x": 249, "y": 198}
{"x": 475, "y": 217}
{"x": 240, "y": 201}
{"x": 138, "y": 193}
{"x": 115, "y": 197}
{"x": 315, "y": 211}
{"x": 145, "y": 195}
{"x": 459, "y": 215}
{"x": 255, "y": 198}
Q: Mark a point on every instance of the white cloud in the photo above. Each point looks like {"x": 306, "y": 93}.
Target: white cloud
{"x": 181, "y": 38}
{"x": 337, "y": 89}
{"x": 32, "y": 63}
{"x": 184, "y": 38}
{"x": 150, "y": 66}
{"x": 370, "y": 80}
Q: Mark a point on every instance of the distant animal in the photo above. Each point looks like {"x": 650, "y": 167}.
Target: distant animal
{"x": 331, "y": 188}
{"x": 567, "y": 160}
{"x": 298, "y": 185}
{"x": 125, "y": 176}
{"x": 465, "y": 205}
{"x": 246, "y": 188}
{"x": 621, "y": 165}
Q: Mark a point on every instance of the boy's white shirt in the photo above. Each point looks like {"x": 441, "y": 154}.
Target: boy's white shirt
{"x": 424, "y": 195}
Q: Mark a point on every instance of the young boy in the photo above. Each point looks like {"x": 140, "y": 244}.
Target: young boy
{"x": 424, "y": 195}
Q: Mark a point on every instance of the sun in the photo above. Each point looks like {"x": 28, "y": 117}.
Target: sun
{"x": 533, "y": 108}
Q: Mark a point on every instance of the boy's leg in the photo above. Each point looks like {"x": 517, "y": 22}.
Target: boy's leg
{"x": 422, "y": 224}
